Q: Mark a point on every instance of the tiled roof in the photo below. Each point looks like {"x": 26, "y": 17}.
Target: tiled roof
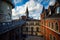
{"x": 54, "y": 16}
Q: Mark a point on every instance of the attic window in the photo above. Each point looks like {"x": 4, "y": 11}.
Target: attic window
{"x": 58, "y": 10}
{"x": 50, "y": 13}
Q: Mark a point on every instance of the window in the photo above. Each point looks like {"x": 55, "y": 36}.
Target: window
{"x": 56, "y": 28}
{"x": 9, "y": 14}
{"x": 58, "y": 10}
{"x": 50, "y": 13}
{"x": 42, "y": 23}
{"x": 37, "y": 23}
{"x": 8, "y": 23}
{"x": 32, "y": 23}
{"x": 54, "y": 38}
{"x": 3, "y": 23}
{"x": 37, "y": 29}
{"x": 26, "y": 23}
{"x": 8, "y": 7}
{"x": 52, "y": 26}
{"x": 26, "y": 28}
{"x": 50, "y": 37}
{"x": 44, "y": 31}
{"x": 1, "y": 16}
{"x": 49, "y": 24}
{"x": 31, "y": 28}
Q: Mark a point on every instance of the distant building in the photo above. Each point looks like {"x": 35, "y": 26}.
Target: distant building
{"x": 6, "y": 10}
{"x": 50, "y": 22}
{"x": 24, "y": 17}
{"x": 32, "y": 27}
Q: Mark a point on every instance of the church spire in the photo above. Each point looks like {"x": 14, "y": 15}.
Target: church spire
{"x": 27, "y": 12}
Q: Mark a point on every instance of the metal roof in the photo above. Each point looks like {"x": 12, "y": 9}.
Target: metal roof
{"x": 10, "y": 2}
{"x": 7, "y": 27}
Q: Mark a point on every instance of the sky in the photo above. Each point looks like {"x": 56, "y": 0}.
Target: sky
{"x": 35, "y": 7}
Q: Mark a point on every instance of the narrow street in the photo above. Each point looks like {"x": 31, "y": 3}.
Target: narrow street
{"x": 34, "y": 38}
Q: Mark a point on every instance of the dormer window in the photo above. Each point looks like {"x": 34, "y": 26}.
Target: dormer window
{"x": 50, "y": 13}
{"x": 8, "y": 8}
{"x": 58, "y": 10}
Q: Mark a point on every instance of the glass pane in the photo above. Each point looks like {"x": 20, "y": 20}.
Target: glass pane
{"x": 58, "y": 10}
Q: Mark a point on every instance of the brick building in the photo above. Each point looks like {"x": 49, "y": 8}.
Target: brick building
{"x": 50, "y": 22}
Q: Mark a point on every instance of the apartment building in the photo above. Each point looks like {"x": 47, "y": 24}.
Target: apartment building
{"x": 50, "y": 22}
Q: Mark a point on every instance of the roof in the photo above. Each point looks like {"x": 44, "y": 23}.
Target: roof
{"x": 10, "y": 2}
{"x": 30, "y": 19}
{"x": 10, "y": 26}
{"x": 58, "y": 1}
{"x": 54, "y": 16}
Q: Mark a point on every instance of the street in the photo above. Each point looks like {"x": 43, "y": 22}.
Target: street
{"x": 34, "y": 38}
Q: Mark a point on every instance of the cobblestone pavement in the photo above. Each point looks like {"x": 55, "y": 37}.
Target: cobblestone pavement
{"x": 34, "y": 38}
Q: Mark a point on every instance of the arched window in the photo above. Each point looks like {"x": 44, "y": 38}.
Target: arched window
{"x": 37, "y": 29}
{"x": 56, "y": 28}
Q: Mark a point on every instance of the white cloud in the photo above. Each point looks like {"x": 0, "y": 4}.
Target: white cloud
{"x": 34, "y": 15}
{"x": 52, "y": 2}
{"x": 33, "y": 7}
{"x": 17, "y": 1}
{"x": 35, "y": 18}
{"x": 15, "y": 17}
